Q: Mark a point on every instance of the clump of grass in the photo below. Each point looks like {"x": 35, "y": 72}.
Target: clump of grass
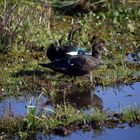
{"x": 131, "y": 114}
{"x": 11, "y": 125}
{"x": 64, "y": 116}
{"x": 33, "y": 116}
{"x": 100, "y": 116}
{"x": 32, "y": 119}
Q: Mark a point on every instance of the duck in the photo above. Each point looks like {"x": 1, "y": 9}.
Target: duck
{"x": 56, "y": 52}
{"x": 78, "y": 65}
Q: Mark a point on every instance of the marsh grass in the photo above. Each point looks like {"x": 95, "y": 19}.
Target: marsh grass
{"x": 100, "y": 116}
{"x": 131, "y": 114}
{"x": 65, "y": 116}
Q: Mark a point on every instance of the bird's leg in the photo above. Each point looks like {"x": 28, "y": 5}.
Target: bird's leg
{"x": 91, "y": 79}
{"x": 73, "y": 79}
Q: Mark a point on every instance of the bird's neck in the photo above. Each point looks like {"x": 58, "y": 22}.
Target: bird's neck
{"x": 96, "y": 54}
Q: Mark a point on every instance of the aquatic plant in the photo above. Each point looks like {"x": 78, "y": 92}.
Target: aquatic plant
{"x": 131, "y": 114}
{"x": 100, "y": 116}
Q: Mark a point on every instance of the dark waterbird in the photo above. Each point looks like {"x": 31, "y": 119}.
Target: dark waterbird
{"x": 78, "y": 65}
{"x": 56, "y": 52}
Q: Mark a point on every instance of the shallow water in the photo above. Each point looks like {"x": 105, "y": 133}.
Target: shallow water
{"x": 112, "y": 98}
{"x": 127, "y": 133}
{"x": 18, "y": 106}
{"x": 120, "y": 97}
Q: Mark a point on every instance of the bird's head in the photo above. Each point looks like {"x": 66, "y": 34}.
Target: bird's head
{"x": 98, "y": 48}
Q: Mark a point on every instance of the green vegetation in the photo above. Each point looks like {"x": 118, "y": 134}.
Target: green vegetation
{"x": 131, "y": 114}
{"x": 26, "y": 30}
{"x": 66, "y": 119}
{"x": 31, "y": 31}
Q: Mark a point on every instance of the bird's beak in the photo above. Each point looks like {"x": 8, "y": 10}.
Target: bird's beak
{"x": 105, "y": 49}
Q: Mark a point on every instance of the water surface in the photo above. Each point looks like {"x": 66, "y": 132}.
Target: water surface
{"x": 112, "y": 98}
{"x": 127, "y": 133}
{"x": 11, "y": 106}
{"x": 120, "y": 97}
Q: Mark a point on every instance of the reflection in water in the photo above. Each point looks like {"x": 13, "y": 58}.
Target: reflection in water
{"x": 107, "y": 134}
{"x": 80, "y": 99}
{"x": 128, "y": 133}
{"x": 83, "y": 98}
